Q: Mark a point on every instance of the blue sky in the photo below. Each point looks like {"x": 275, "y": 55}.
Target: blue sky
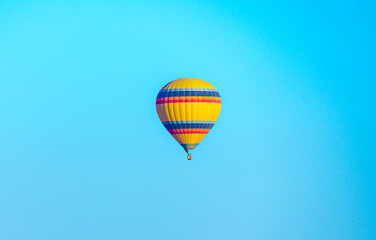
{"x": 83, "y": 154}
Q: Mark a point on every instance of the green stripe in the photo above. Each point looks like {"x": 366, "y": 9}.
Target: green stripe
{"x": 187, "y": 147}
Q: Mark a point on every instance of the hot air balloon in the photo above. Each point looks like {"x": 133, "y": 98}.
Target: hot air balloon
{"x": 188, "y": 109}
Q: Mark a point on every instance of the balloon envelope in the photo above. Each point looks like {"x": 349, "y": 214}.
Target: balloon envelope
{"x": 188, "y": 108}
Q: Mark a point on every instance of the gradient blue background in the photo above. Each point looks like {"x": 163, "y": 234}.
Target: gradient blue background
{"x": 83, "y": 154}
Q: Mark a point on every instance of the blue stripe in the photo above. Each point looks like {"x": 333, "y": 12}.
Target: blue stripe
{"x": 188, "y": 93}
{"x": 189, "y": 125}
{"x": 175, "y": 122}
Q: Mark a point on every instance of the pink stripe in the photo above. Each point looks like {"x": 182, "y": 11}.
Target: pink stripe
{"x": 188, "y": 131}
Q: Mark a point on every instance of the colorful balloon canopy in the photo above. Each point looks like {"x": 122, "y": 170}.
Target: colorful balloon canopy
{"x": 188, "y": 108}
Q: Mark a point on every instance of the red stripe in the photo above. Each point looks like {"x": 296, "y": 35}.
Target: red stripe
{"x": 181, "y": 100}
{"x": 188, "y": 131}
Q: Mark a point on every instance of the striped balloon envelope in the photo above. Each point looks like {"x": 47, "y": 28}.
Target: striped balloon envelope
{"x": 188, "y": 108}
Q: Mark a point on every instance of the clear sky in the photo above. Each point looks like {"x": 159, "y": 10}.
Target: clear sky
{"x": 83, "y": 154}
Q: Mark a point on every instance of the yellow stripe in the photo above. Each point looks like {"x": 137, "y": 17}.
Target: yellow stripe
{"x": 182, "y": 111}
{"x": 188, "y": 83}
{"x": 189, "y": 138}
